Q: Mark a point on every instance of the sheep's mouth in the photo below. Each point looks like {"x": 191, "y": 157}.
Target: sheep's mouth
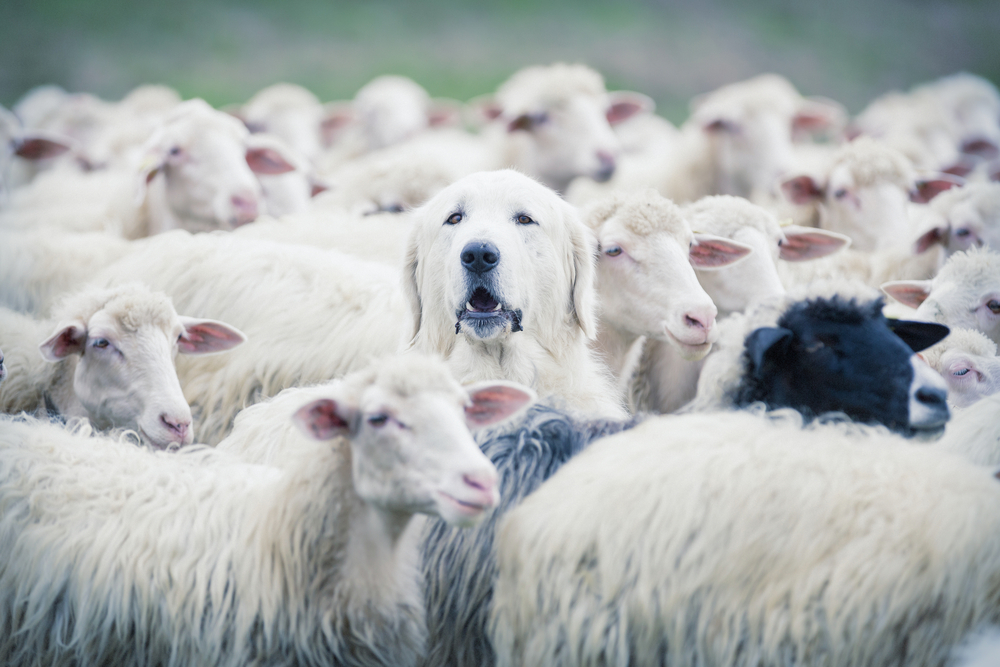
{"x": 485, "y": 316}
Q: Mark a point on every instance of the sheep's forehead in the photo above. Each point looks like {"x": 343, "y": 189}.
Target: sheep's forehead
{"x": 407, "y": 377}
{"x": 537, "y": 88}
{"x": 960, "y": 340}
{"x": 870, "y": 163}
{"x": 975, "y": 269}
{"x": 724, "y": 215}
{"x": 763, "y": 95}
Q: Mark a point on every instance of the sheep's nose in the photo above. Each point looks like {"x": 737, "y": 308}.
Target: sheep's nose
{"x": 480, "y": 257}
{"x": 176, "y": 425}
{"x": 245, "y": 208}
{"x": 700, "y": 319}
{"x": 607, "y": 166}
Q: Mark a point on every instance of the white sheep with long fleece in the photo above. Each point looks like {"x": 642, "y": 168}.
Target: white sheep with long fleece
{"x": 310, "y": 315}
{"x": 37, "y": 267}
{"x": 738, "y": 539}
{"x": 196, "y": 174}
{"x": 646, "y": 279}
{"x": 499, "y": 275}
{"x": 738, "y": 140}
{"x": 108, "y": 355}
{"x": 965, "y": 293}
{"x": 968, "y": 362}
{"x": 974, "y": 432}
{"x": 118, "y": 555}
{"x": 664, "y": 380}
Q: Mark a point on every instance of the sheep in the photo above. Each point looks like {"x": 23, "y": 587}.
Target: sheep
{"x": 200, "y": 557}
{"x": 37, "y": 267}
{"x": 459, "y": 566}
{"x": 207, "y": 182}
{"x": 744, "y": 539}
{"x": 555, "y": 123}
{"x": 966, "y": 217}
{"x": 965, "y": 293}
{"x": 974, "y": 432}
{"x": 646, "y": 279}
{"x": 968, "y": 362}
{"x": 737, "y": 141}
{"x": 310, "y": 315}
{"x": 828, "y": 348}
{"x": 20, "y": 145}
{"x": 499, "y": 275}
{"x": 108, "y": 356}
{"x": 664, "y": 380}
{"x": 288, "y": 111}
{"x": 974, "y": 104}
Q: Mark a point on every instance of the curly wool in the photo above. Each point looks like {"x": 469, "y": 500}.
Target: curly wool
{"x": 642, "y": 213}
{"x": 533, "y": 89}
{"x": 872, "y": 162}
{"x": 967, "y": 340}
{"x": 724, "y": 215}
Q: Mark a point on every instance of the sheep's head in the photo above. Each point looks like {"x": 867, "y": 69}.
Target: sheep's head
{"x": 125, "y": 341}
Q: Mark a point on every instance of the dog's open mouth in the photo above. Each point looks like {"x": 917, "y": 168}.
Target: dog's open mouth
{"x": 485, "y": 315}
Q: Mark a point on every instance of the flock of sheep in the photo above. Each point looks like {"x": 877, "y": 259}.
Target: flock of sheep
{"x": 703, "y": 436}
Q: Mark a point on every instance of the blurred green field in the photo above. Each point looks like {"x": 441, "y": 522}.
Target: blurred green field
{"x": 224, "y": 51}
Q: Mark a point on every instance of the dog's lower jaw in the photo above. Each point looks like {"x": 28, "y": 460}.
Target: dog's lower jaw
{"x": 485, "y": 326}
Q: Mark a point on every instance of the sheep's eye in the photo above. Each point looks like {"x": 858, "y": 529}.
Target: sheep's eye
{"x": 961, "y": 372}
{"x": 100, "y": 343}
{"x": 393, "y": 208}
{"x": 525, "y": 220}
{"x": 453, "y": 219}
{"x": 840, "y": 193}
{"x": 994, "y": 306}
{"x": 378, "y": 421}
{"x": 961, "y": 232}
{"x": 613, "y": 251}
{"x": 175, "y": 151}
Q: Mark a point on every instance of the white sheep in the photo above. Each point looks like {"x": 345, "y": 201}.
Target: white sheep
{"x": 310, "y": 315}
{"x": 964, "y": 217}
{"x": 288, "y": 111}
{"x": 108, "y": 355}
{"x": 664, "y": 380}
{"x": 738, "y": 141}
{"x": 197, "y": 173}
{"x": 968, "y": 362}
{"x": 20, "y": 148}
{"x": 974, "y": 104}
{"x": 117, "y": 555}
{"x": 748, "y": 540}
{"x": 965, "y": 293}
{"x": 974, "y": 432}
{"x": 646, "y": 277}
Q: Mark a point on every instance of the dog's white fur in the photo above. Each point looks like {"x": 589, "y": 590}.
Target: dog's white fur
{"x": 546, "y": 271}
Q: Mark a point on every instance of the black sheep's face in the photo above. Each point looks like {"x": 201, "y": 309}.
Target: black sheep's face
{"x": 834, "y": 356}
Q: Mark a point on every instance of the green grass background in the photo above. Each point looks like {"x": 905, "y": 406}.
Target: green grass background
{"x": 223, "y": 51}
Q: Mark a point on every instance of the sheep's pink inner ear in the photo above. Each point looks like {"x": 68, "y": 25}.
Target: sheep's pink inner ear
{"x": 444, "y": 115}
{"x": 625, "y": 104}
{"x": 323, "y": 419}
{"x": 719, "y": 125}
{"x": 267, "y": 161}
{"x": 337, "y": 118}
{"x": 803, "y": 243}
{"x": 207, "y": 336}
{"x": 910, "y": 293}
{"x": 929, "y": 238}
{"x": 801, "y": 190}
{"x": 927, "y": 189}
{"x": 491, "y": 402}
{"x": 39, "y": 148}
{"x": 68, "y": 339}
{"x": 716, "y": 252}
{"x": 316, "y": 186}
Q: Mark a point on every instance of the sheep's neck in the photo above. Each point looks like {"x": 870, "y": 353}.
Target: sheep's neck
{"x": 61, "y": 389}
{"x": 378, "y": 552}
{"x": 616, "y": 346}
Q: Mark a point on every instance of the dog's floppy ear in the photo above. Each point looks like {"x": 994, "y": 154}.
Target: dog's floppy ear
{"x": 411, "y": 287}
{"x": 583, "y": 247}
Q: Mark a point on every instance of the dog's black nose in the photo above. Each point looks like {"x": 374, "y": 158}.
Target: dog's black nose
{"x": 480, "y": 257}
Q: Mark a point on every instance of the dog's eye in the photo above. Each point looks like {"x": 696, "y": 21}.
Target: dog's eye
{"x": 453, "y": 219}
{"x": 613, "y": 251}
{"x": 524, "y": 220}
{"x": 994, "y": 306}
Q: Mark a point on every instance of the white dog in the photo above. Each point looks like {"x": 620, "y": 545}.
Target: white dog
{"x": 500, "y": 276}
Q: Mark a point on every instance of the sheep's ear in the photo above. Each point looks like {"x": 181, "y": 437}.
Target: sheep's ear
{"x": 482, "y": 110}
{"x": 336, "y": 117}
{"x": 582, "y": 274}
{"x": 39, "y": 147}
{"x": 268, "y": 160}
{"x": 317, "y": 185}
{"x": 910, "y": 293}
{"x": 493, "y": 401}
{"x": 719, "y": 125}
{"x": 926, "y": 189}
{"x": 766, "y": 340}
{"x": 207, "y": 336}
{"x": 411, "y": 284}
{"x": 709, "y": 252}
{"x": 802, "y": 190}
{"x": 69, "y": 338}
{"x": 803, "y": 243}
{"x": 444, "y": 112}
{"x": 818, "y": 114}
{"x": 325, "y": 419}
{"x": 919, "y": 335}
{"x": 936, "y": 235}
{"x": 624, "y": 104}
{"x": 962, "y": 167}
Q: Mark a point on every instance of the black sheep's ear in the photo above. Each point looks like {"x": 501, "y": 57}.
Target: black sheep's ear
{"x": 761, "y": 340}
{"x": 919, "y": 335}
